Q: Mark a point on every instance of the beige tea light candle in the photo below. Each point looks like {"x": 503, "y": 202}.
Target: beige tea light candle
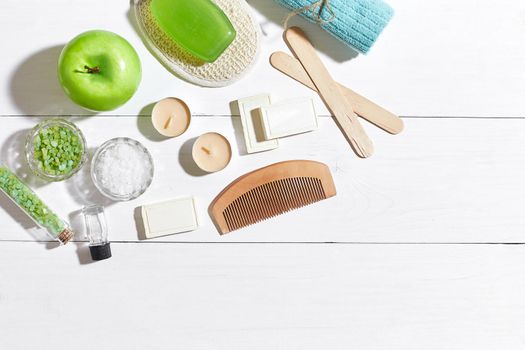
{"x": 171, "y": 117}
{"x": 212, "y": 152}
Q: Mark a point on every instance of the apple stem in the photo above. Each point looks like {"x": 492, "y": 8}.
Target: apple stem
{"x": 93, "y": 70}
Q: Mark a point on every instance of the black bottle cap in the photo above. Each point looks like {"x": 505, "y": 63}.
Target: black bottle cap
{"x": 100, "y": 252}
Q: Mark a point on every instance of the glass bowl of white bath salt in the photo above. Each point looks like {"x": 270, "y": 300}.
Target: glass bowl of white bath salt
{"x": 122, "y": 169}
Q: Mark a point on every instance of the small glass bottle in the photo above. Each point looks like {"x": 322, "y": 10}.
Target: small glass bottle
{"x": 97, "y": 232}
{"x": 33, "y": 206}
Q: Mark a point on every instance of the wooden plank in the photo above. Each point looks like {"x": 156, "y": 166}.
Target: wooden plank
{"x": 435, "y": 58}
{"x": 263, "y": 297}
{"x": 442, "y": 180}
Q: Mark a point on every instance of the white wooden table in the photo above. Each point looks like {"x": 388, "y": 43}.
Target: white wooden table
{"x": 413, "y": 253}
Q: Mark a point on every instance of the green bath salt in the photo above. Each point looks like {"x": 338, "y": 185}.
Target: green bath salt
{"x": 33, "y": 206}
{"x": 55, "y": 149}
{"x": 58, "y": 150}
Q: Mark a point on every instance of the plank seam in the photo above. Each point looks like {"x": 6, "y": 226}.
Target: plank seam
{"x": 282, "y": 243}
{"x": 423, "y": 117}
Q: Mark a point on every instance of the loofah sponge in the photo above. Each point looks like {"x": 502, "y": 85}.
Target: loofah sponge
{"x": 357, "y": 23}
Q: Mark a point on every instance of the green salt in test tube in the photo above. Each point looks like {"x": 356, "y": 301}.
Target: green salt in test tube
{"x": 33, "y": 206}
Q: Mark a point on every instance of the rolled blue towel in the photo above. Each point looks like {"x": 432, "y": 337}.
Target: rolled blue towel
{"x": 357, "y": 23}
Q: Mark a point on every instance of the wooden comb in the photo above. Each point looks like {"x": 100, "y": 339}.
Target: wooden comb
{"x": 271, "y": 191}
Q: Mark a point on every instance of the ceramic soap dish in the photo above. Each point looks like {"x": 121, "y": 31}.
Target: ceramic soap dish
{"x": 229, "y": 67}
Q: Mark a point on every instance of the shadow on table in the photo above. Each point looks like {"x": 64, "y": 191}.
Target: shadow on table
{"x": 146, "y": 127}
{"x": 12, "y": 154}
{"x": 83, "y": 253}
{"x": 139, "y": 224}
{"x": 17, "y": 214}
{"x": 321, "y": 39}
{"x": 186, "y": 159}
{"x": 76, "y": 220}
{"x": 83, "y": 190}
{"x": 37, "y": 233}
{"x": 35, "y": 88}
{"x": 237, "y": 128}
{"x": 80, "y": 186}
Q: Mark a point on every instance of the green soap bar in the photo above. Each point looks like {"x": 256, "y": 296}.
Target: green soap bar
{"x": 197, "y": 26}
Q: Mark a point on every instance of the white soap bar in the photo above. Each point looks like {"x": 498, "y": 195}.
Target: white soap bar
{"x": 167, "y": 218}
{"x": 288, "y": 118}
{"x": 251, "y": 127}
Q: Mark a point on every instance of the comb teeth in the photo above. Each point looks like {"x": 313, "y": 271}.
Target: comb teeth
{"x": 271, "y": 199}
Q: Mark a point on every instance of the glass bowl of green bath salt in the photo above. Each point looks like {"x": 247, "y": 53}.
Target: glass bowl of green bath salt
{"x": 55, "y": 149}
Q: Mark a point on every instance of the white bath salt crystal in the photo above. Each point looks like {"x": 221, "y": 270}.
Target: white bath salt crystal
{"x": 123, "y": 169}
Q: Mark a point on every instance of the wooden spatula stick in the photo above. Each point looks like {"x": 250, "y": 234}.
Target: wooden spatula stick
{"x": 329, "y": 91}
{"x": 365, "y": 108}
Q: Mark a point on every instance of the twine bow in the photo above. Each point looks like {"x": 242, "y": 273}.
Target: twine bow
{"x": 316, "y": 9}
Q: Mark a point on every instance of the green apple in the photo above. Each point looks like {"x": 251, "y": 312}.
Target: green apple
{"x": 99, "y": 70}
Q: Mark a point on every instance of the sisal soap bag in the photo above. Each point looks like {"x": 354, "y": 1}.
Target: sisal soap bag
{"x": 357, "y": 23}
